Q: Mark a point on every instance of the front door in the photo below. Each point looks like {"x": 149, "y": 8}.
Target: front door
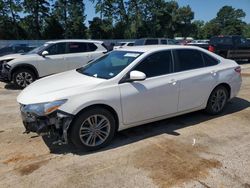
{"x": 55, "y": 61}
{"x": 154, "y": 97}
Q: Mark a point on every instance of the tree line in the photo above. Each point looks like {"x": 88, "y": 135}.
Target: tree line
{"x": 118, "y": 19}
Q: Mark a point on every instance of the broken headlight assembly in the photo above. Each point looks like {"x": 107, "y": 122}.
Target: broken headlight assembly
{"x": 43, "y": 109}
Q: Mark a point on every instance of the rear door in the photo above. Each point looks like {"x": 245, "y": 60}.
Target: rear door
{"x": 154, "y": 97}
{"x": 80, "y": 53}
{"x": 196, "y": 77}
{"x": 77, "y": 55}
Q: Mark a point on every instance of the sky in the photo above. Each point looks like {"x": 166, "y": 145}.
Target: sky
{"x": 203, "y": 9}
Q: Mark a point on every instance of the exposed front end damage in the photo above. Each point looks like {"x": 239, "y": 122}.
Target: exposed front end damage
{"x": 54, "y": 125}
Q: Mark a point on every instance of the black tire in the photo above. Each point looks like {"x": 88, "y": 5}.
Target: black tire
{"x": 23, "y": 77}
{"x": 81, "y": 121}
{"x": 221, "y": 101}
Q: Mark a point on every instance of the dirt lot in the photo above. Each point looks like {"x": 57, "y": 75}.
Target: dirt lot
{"x": 194, "y": 150}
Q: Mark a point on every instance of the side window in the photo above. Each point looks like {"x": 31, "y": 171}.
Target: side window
{"x": 91, "y": 47}
{"x": 157, "y": 64}
{"x": 209, "y": 60}
{"x": 164, "y": 41}
{"x": 130, "y": 44}
{"x": 57, "y": 49}
{"x": 77, "y": 47}
{"x": 171, "y": 42}
{"x": 151, "y": 41}
{"x": 186, "y": 59}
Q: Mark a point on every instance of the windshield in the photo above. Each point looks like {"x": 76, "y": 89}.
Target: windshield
{"x": 38, "y": 49}
{"x": 109, "y": 65}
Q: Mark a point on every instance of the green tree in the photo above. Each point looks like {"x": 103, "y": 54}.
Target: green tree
{"x": 38, "y": 10}
{"x": 100, "y": 29}
{"x": 70, "y": 14}
{"x": 246, "y": 31}
{"x": 198, "y": 31}
{"x": 53, "y": 29}
{"x": 230, "y": 20}
{"x": 76, "y": 29}
{"x": 184, "y": 21}
{"x": 9, "y": 18}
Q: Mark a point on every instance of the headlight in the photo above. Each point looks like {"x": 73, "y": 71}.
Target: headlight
{"x": 6, "y": 60}
{"x": 43, "y": 109}
{"x": 6, "y": 66}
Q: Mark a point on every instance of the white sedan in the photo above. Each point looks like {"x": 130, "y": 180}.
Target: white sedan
{"x": 126, "y": 88}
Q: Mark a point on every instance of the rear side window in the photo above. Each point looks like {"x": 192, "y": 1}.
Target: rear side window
{"x": 164, "y": 42}
{"x": 151, "y": 41}
{"x": 131, "y": 44}
{"x": 139, "y": 42}
{"x": 157, "y": 64}
{"x": 77, "y": 47}
{"x": 187, "y": 60}
{"x": 209, "y": 60}
{"x": 172, "y": 42}
{"x": 222, "y": 40}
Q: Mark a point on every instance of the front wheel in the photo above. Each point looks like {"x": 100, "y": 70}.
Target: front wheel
{"x": 217, "y": 100}
{"x": 93, "y": 129}
{"x": 23, "y": 77}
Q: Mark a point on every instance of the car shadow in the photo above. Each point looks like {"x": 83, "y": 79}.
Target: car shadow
{"x": 243, "y": 62}
{"x": 11, "y": 86}
{"x": 168, "y": 126}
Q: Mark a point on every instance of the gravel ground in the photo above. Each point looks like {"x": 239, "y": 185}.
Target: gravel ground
{"x": 193, "y": 150}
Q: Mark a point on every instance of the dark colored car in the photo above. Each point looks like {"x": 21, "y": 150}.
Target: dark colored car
{"x": 232, "y": 47}
{"x": 155, "y": 41}
{"x": 15, "y": 48}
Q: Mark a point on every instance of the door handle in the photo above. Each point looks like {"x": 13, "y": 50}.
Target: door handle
{"x": 214, "y": 73}
{"x": 173, "y": 81}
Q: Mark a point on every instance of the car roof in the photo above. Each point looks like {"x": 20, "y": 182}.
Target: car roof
{"x": 152, "y": 48}
{"x": 75, "y": 40}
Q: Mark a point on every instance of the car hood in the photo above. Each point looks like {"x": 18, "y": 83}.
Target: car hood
{"x": 17, "y": 56}
{"x": 58, "y": 86}
{"x": 10, "y": 56}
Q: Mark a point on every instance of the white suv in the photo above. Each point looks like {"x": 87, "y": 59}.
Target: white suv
{"x": 126, "y": 88}
{"x": 50, "y": 58}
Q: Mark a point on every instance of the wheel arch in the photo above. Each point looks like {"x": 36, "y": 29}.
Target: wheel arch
{"x": 100, "y": 105}
{"x": 226, "y": 85}
{"x": 24, "y": 66}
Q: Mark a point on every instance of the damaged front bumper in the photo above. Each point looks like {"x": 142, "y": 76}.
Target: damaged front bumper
{"x": 54, "y": 125}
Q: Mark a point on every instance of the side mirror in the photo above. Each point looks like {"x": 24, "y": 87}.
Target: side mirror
{"x": 45, "y": 53}
{"x": 136, "y": 76}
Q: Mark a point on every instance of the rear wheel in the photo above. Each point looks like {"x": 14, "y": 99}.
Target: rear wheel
{"x": 23, "y": 77}
{"x": 93, "y": 129}
{"x": 217, "y": 100}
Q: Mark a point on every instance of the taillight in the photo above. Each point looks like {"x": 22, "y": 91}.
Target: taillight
{"x": 238, "y": 70}
{"x": 211, "y": 48}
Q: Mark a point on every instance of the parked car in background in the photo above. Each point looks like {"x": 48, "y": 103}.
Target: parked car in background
{"x": 123, "y": 44}
{"x": 50, "y": 58}
{"x": 155, "y": 41}
{"x": 15, "y": 48}
{"x": 231, "y": 46}
{"x": 200, "y": 43}
{"x": 125, "y": 88}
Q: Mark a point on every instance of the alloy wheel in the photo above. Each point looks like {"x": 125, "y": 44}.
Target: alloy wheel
{"x": 94, "y": 130}
{"x": 218, "y": 100}
{"x": 23, "y": 79}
